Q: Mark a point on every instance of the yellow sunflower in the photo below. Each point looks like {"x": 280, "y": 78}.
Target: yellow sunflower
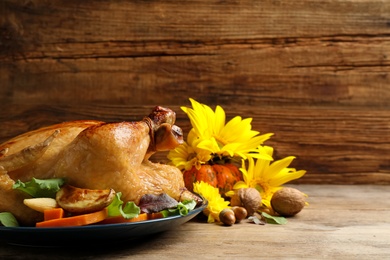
{"x": 187, "y": 155}
{"x": 266, "y": 176}
{"x": 211, "y": 138}
{"x": 215, "y": 202}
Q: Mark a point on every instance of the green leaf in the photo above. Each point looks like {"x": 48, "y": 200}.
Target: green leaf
{"x": 257, "y": 219}
{"x": 273, "y": 219}
{"x": 38, "y": 188}
{"x": 189, "y": 204}
{"x": 114, "y": 209}
{"x": 8, "y": 220}
{"x": 182, "y": 209}
{"x": 130, "y": 210}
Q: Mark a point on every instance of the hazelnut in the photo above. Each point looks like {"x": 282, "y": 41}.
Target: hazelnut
{"x": 288, "y": 201}
{"x": 240, "y": 213}
{"x": 249, "y": 198}
{"x": 227, "y": 217}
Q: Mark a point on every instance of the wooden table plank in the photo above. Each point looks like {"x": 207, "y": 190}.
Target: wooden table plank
{"x": 284, "y": 52}
{"x": 341, "y": 222}
{"x": 315, "y": 73}
{"x": 335, "y": 145}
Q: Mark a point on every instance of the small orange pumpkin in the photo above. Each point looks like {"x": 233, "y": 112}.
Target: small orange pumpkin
{"x": 221, "y": 176}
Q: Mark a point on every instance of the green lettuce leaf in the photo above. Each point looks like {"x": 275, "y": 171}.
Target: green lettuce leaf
{"x": 38, "y": 188}
{"x": 128, "y": 211}
{"x": 182, "y": 209}
{"x": 8, "y": 220}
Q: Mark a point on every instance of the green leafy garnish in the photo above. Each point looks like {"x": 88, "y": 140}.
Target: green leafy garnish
{"x": 38, "y": 188}
{"x": 264, "y": 218}
{"x": 8, "y": 220}
{"x": 128, "y": 211}
{"x": 150, "y": 203}
{"x": 274, "y": 219}
{"x": 182, "y": 209}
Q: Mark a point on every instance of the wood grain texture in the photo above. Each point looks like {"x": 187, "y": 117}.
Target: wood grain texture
{"x": 315, "y": 73}
{"x": 347, "y": 146}
{"x": 341, "y": 222}
{"x": 251, "y": 52}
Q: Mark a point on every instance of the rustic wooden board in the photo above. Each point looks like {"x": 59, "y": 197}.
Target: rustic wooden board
{"x": 333, "y": 145}
{"x": 142, "y": 52}
{"x": 341, "y": 222}
{"x": 316, "y": 73}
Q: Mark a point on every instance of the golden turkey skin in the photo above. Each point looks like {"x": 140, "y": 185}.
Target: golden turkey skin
{"x": 93, "y": 155}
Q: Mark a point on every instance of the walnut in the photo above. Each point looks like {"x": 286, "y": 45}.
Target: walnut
{"x": 288, "y": 201}
{"x": 249, "y": 198}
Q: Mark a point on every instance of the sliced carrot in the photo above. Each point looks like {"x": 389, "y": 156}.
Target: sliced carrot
{"x": 120, "y": 219}
{"x": 140, "y": 217}
{"x": 54, "y": 213}
{"x": 80, "y": 220}
{"x": 155, "y": 215}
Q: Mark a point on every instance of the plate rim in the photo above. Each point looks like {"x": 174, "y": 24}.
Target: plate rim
{"x": 197, "y": 210}
{"x": 98, "y": 233}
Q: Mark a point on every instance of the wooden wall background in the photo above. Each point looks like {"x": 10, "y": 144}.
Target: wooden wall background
{"x": 314, "y": 72}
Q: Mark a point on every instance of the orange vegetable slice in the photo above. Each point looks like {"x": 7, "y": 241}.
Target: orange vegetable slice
{"x": 155, "y": 215}
{"x": 80, "y": 220}
{"x": 141, "y": 217}
{"x": 54, "y": 213}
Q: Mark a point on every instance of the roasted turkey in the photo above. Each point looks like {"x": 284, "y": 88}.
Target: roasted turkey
{"x": 94, "y": 155}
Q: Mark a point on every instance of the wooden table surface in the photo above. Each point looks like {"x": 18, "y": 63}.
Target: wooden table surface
{"x": 341, "y": 222}
{"x": 314, "y": 73}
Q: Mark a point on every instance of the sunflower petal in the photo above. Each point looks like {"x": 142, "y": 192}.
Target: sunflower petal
{"x": 287, "y": 177}
{"x": 239, "y": 185}
{"x": 279, "y": 165}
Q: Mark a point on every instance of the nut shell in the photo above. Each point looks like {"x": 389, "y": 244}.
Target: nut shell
{"x": 249, "y": 198}
{"x": 227, "y": 217}
{"x": 240, "y": 213}
{"x": 288, "y": 201}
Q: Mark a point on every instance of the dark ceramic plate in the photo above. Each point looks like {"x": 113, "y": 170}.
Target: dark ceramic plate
{"x": 31, "y": 236}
